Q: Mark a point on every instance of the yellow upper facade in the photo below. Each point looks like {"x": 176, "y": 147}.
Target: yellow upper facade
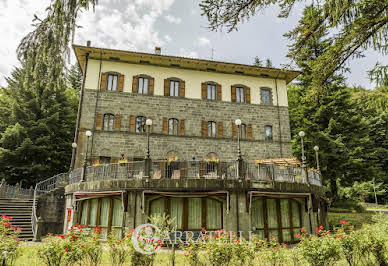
{"x": 193, "y": 71}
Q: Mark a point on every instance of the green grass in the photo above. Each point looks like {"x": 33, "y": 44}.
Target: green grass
{"x": 355, "y": 219}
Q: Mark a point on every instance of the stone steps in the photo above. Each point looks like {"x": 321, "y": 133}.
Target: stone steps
{"x": 20, "y": 211}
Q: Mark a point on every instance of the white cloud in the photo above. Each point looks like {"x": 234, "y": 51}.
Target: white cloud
{"x": 167, "y": 38}
{"x": 119, "y": 24}
{"x": 172, "y": 19}
{"x": 185, "y": 53}
{"x": 203, "y": 41}
{"x": 15, "y": 20}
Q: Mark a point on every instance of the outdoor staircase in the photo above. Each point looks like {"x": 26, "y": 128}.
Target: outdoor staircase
{"x": 20, "y": 210}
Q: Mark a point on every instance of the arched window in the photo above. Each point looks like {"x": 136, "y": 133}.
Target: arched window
{"x": 173, "y": 126}
{"x": 140, "y": 124}
{"x": 266, "y": 96}
{"x": 211, "y": 91}
{"x": 143, "y": 84}
{"x": 211, "y": 129}
{"x": 268, "y": 132}
{"x": 243, "y": 132}
{"x": 108, "y": 123}
{"x": 112, "y": 81}
{"x": 240, "y": 95}
{"x": 283, "y": 216}
{"x": 174, "y": 88}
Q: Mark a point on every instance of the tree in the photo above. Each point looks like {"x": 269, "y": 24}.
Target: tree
{"x": 330, "y": 120}
{"x": 75, "y": 78}
{"x": 36, "y": 143}
{"x": 356, "y": 26}
{"x": 258, "y": 62}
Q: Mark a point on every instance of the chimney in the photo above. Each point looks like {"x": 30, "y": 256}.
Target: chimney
{"x": 158, "y": 50}
{"x": 88, "y": 43}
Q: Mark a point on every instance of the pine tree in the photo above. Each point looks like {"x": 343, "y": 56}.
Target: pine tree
{"x": 36, "y": 143}
{"x": 330, "y": 120}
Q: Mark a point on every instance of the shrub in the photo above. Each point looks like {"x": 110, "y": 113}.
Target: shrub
{"x": 118, "y": 249}
{"x": 349, "y": 204}
{"x": 219, "y": 247}
{"x": 322, "y": 248}
{"x": 9, "y": 244}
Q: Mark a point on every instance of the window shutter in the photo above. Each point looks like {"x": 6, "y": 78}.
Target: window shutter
{"x": 132, "y": 123}
{"x": 117, "y": 123}
{"x": 103, "y": 81}
{"x": 220, "y": 130}
{"x": 202, "y": 167}
{"x": 219, "y": 93}
{"x": 151, "y": 86}
{"x": 162, "y": 166}
{"x": 182, "y": 127}
{"x": 248, "y": 95}
{"x": 183, "y": 166}
{"x": 166, "y": 87}
{"x": 204, "y": 129}
{"x": 250, "y": 131}
{"x": 149, "y": 117}
{"x": 135, "y": 84}
{"x": 182, "y": 89}
{"x": 234, "y": 130}
{"x": 233, "y": 94}
{"x": 121, "y": 83}
{"x": 203, "y": 91}
{"x": 165, "y": 125}
{"x": 99, "y": 122}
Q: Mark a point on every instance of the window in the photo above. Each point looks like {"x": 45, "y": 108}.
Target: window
{"x": 240, "y": 95}
{"x": 200, "y": 212}
{"x": 283, "y": 216}
{"x": 268, "y": 132}
{"x": 211, "y": 91}
{"x": 243, "y": 132}
{"x": 112, "y": 82}
{"x": 212, "y": 161}
{"x": 108, "y": 122}
{"x": 265, "y": 96}
{"x": 140, "y": 124}
{"x": 173, "y": 125}
{"x": 174, "y": 88}
{"x": 106, "y": 213}
{"x": 143, "y": 85}
{"x": 211, "y": 129}
{"x": 104, "y": 160}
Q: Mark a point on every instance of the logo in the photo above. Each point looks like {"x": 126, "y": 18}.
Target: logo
{"x": 145, "y": 239}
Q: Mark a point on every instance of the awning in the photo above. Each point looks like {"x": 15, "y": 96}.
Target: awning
{"x": 185, "y": 195}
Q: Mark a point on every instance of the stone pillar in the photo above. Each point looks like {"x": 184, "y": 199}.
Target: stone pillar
{"x": 39, "y": 230}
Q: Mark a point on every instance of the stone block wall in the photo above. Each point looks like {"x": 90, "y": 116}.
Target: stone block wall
{"x": 192, "y": 144}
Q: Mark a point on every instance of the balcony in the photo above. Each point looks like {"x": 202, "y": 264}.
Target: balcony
{"x": 264, "y": 171}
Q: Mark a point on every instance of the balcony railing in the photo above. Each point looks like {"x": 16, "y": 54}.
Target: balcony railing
{"x": 198, "y": 170}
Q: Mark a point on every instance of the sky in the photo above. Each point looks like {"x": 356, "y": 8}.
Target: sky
{"x": 176, "y": 26}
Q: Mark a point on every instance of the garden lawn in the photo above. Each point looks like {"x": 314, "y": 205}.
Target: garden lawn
{"x": 356, "y": 219}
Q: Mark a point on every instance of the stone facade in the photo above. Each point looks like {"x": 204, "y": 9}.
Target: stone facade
{"x": 192, "y": 144}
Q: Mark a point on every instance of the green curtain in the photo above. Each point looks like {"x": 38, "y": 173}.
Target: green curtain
{"x": 93, "y": 212}
{"x": 213, "y": 214}
{"x": 157, "y": 207}
{"x": 176, "y": 212}
{"x": 117, "y": 215}
{"x": 272, "y": 213}
{"x": 195, "y": 213}
{"x": 104, "y": 214}
{"x": 84, "y": 217}
{"x": 257, "y": 213}
{"x": 295, "y": 214}
{"x": 285, "y": 212}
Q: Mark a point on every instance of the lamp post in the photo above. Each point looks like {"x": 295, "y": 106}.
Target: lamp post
{"x": 74, "y": 147}
{"x": 148, "y": 161}
{"x": 239, "y": 157}
{"x": 301, "y": 135}
{"x": 88, "y": 134}
{"x": 316, "y": 149}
